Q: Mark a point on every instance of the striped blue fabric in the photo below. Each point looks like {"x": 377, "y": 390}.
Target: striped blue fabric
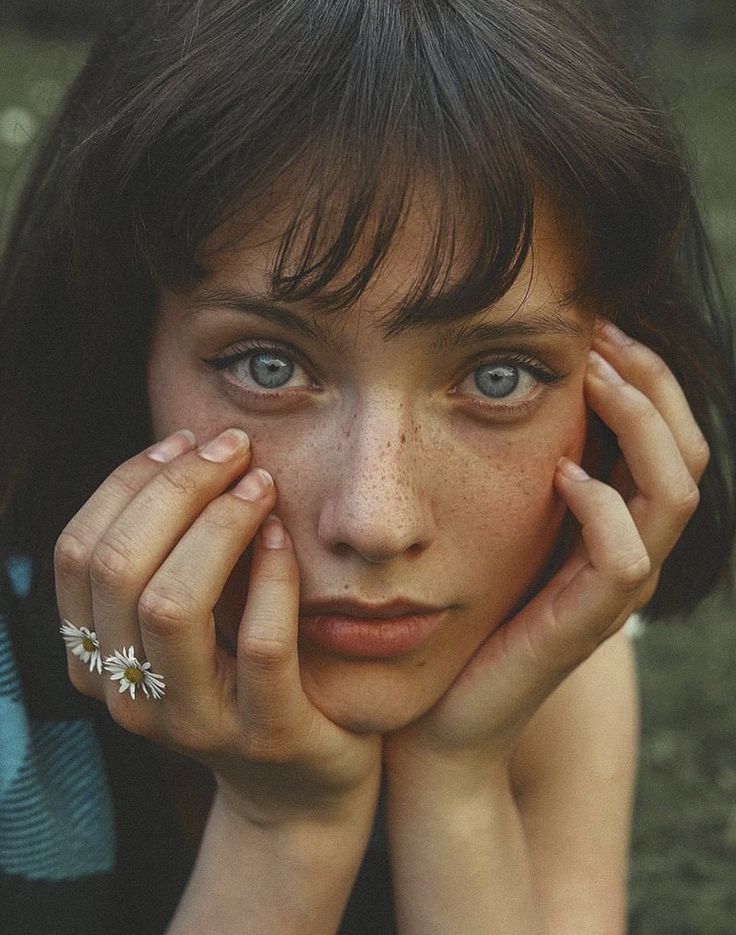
{"x": 56, "y": 814}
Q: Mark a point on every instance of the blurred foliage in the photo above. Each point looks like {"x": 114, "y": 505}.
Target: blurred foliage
{"x": 50, "y": 17}
{"x": 683, "y": 878}
{"x": 34, "y": 73}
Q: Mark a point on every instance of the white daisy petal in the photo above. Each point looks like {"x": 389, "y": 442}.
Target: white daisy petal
{"x": 131, "y": 673}
{"x": 83, "y": 644}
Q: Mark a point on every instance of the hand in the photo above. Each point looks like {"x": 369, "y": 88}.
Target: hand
{"x": 625, "y": 536}
{"x": 143, "y": 564}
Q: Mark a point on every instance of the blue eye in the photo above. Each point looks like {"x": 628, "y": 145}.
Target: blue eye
{"x": 497, "y": 380}
{"x": 263, "y": 371}
{"x": 270, "y": 370}
{"x": 509, "y": 384}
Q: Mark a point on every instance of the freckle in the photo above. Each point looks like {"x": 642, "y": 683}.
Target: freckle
{"x": 388, "y": 444}
{"x": 403, "y": 438}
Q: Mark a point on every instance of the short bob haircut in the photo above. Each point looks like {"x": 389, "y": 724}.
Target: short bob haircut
{"x": 190, "y": 111}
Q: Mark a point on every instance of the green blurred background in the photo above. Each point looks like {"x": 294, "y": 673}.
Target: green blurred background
{"x": 683, "y": 879}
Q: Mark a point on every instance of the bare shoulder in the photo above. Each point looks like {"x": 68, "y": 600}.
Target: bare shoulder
{"x": 573, "y": 774}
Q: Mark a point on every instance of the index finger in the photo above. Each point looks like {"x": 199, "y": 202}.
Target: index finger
{"x": 80, "y": 535}
{"x": 640, "y": 366}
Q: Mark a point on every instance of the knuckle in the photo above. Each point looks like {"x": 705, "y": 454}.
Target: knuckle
{"x": 263, "y": 653}
{"x": 632, "y": 570}
{"x": 220, "y": 518}
{"x": 274, "y": 571}
{"x": 683, "y": 503}
{"x": 123, "y": 483}
{"x": 178, "y": 481}
{"x": 110, "y": 566}
{"x": 72, "y": 554}
{"x": 701, "y": 455}
{"x": 274, "y": 580}
{"x": 656, "y": 369}
{"x": 163, "y": 610}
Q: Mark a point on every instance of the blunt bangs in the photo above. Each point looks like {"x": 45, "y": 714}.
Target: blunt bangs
{"x": 362, "y": 103}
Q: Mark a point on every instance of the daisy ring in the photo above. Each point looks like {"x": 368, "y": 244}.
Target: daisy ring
{"x": 125, "y": 668}
{"x": 83, "y": 643}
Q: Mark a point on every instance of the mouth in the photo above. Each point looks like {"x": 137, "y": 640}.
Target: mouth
{"x": 369, "y": 631}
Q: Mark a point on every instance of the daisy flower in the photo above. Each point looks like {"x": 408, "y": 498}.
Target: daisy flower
{"x": 83, "y": 643}
{"x": 125, "y": 668}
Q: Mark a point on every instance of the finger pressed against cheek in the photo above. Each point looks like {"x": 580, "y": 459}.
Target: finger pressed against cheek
{"x": 77, "y": 543}
{"x": 172, "y": 618}
{"x": 640, "y": 366}
{"x": 667, "y": 493}
{"x": 270, "y": 696}
{"x": 193, "y": 575}
{"x": 645, "y": 439}
{"x": 604, "y": 588}
{"x": 135, "y": 545}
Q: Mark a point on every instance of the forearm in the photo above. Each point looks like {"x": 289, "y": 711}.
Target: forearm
{"x": 459, "y": 856}
{"x": 292, "y": 878}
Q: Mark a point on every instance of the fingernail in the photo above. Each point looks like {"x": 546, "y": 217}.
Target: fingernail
{"x": 228, "y": 445}
{"x": 603, "y": 369}
{"x": 609, "y": 332}
{"x": 173, "y": 446}
{"x": 254, "y": 485}
{"x": 572, "y": 470}
{"x": 272, "y": 533}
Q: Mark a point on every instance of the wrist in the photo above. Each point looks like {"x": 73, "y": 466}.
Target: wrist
{"x": 458, "y": 847}
{"x": 276, "y": 877}
{"x": 291, "y": 815}
{"x": 272, "y": 797}
{"x": 455, "y": 776}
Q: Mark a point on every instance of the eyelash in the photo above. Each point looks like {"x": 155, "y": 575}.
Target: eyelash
{"x": 541, "y": 372}
{"x": 240, "y": 352}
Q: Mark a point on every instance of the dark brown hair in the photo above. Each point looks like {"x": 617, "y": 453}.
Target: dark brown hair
{"x": 190, "y": 110}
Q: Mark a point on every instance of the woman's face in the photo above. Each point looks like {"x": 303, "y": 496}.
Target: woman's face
{"x": 416, "y": 468}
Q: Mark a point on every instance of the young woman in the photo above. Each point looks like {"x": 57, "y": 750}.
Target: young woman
{"x": 322, "y": 448}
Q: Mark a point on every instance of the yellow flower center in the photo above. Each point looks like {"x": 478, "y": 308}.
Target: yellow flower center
{"x": 88, "y": 644}
{"x": 134, "y": 675}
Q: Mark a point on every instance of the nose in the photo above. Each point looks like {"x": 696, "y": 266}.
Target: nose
{"x": 376, "y": 504}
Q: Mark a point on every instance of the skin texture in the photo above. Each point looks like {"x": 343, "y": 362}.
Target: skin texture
{"x": 395, "y": 476}
{"x": 155, "y": 559}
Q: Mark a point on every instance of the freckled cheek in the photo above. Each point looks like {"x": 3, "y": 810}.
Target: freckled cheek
{"x": 506, "y": 514}
{"x": 298, "y": 463}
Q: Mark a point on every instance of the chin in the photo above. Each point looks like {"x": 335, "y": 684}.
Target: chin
{"x": 369, "y": 722}
{"x": 369, "y": 700}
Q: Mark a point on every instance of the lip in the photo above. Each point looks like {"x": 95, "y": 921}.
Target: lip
{"x": 369, "y": 631}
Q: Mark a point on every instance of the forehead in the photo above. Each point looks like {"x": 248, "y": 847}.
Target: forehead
{"x": 241, "y": 256}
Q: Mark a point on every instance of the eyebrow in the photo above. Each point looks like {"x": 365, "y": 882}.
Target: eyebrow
{"x": 541, "y": 322}
{"x": 546, "y": 320}
{"x": 251, "y": 305}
